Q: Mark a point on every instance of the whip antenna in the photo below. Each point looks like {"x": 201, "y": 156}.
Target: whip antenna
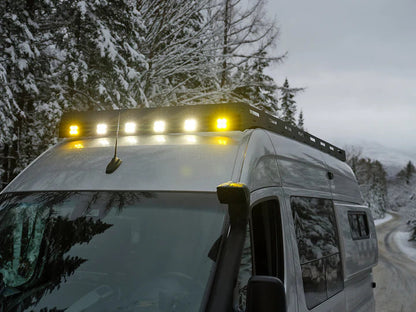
{"x": 115, "y": 162}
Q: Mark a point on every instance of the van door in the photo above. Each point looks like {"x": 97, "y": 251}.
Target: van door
{"x": 321, "y": 280}
{"x": 360, "y": 244}
{"x": 265, "y": 248}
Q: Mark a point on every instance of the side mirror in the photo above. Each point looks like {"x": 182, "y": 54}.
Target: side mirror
{"x": 266, "y": 294}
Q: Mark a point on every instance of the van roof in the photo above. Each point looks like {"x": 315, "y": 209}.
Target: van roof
{"x": 180, "y": 162}
{"x": 197, "y": 162}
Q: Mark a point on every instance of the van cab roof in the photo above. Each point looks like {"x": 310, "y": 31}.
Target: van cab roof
{"x": 198, "y": 162}
{"x": 271, "y": 153}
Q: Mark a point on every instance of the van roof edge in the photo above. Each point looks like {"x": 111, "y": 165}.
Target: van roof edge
{"x": 246, "y": 116}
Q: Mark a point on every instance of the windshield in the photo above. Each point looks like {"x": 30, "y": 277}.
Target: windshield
{"x": 106, "y": 251}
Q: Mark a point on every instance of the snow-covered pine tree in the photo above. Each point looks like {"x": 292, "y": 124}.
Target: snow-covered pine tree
{"x": 372, "y": 178}
{"x": 241, "y": 40}
{"x": 402, "y": 195}
{"x": 407, "y": 172}
{"x": 179, "y": 69}
{"x": 378, "y": 188}
{"x": 301, "y": 121}
{"x": 261, "y": 91}
{"x": 287, "y": 103}
{"x": 28, "y": 101}
{"x": 57, "y": 55}
{"x": 101, "y": 63}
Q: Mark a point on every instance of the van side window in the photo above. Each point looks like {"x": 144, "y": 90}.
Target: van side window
{"x": 318, "y": 246}
{"x": 359, "y": 224}
{"x": 264, "y": 256}
{"x": 267, "y": 239}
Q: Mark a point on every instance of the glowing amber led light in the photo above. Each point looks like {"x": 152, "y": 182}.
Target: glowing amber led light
{"x": 222, "y": 123}
{"x": 101, "y": 129}
{"x": 190, "y": 125}
{"x": 73, "y": 130}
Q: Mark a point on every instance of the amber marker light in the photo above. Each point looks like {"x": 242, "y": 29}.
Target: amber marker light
{"x": 73, "y": 130}
{"x": 190, "y": 125}
{"x": 101, "y": 129}
{"x": 159, "y": 126}
{"x": 130, "y": 127}
{"x": 222, "y": 123}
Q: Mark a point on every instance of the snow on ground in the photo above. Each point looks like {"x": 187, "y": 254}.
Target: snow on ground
{"x": 402, "y": 241}
{"x": 386, "y": 218}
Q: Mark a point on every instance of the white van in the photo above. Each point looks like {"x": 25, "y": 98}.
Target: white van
{"x": 198, "y": 208}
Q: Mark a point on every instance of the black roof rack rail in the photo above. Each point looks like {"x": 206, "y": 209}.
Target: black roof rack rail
{"x": 242, "y": 116}
{"x": 261, "y": 119}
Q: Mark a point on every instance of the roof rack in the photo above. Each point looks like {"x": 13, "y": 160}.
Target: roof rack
{"x": 241, "y": 116}
{"x": 261, "y": 119}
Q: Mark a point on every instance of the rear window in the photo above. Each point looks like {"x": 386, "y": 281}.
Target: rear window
{"x": 358, "y": 224}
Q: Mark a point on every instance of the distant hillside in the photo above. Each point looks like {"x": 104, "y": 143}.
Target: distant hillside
{"x": 393, "y": 160}
{"x": 401, "y": 190}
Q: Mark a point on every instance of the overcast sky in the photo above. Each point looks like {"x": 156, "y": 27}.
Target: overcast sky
{"x": 357, "y": 60}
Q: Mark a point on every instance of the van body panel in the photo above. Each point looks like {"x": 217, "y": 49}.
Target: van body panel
{"x": 300, "y": 166}
{"x": 359, "y": 292}
{"x": 360, "y": 254}
{"x": 260, "y": 163}
{"x": 344, "y": 186}
{"x": 240, "y": 156}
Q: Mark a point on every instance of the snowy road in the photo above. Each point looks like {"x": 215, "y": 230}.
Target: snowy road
{"x": 395, "y": 273}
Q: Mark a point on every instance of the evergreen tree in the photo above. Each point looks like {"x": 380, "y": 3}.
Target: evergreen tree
{"x": 101, "y": 63}
{"x": 301, "y": 121}
{"x": 241, "y": 38}
{"x": 175, "y": 47}
{"x": 28, "y": 98}
{"x": 261, "y": 91}
{"x": 372, "y": 178}
{"x": 407, "y": 172}
{"x": 287, "y": 103}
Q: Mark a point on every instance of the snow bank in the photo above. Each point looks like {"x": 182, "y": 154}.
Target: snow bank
{"x": 402, "y": 241}
{"x": 387, "y": 218}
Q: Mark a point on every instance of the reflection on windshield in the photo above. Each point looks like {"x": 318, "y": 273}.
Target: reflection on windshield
{"x": 106, "y": 251}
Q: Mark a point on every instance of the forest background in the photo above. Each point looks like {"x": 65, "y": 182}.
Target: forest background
{"x": 61, "y": 55}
